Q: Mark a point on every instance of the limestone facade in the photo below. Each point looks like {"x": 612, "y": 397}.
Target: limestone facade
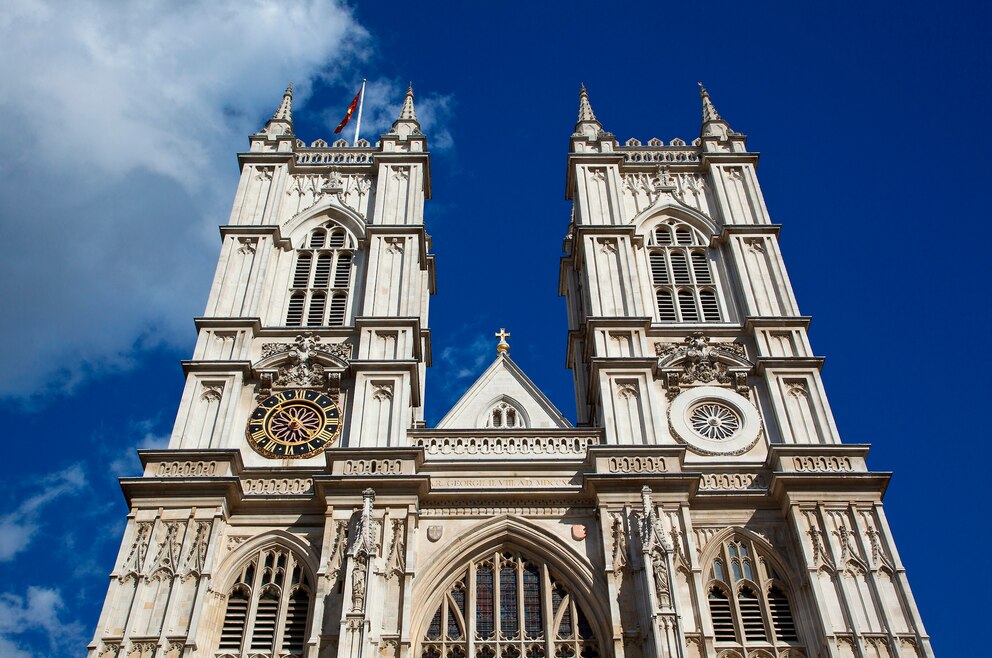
{"x": 701, "y": 505}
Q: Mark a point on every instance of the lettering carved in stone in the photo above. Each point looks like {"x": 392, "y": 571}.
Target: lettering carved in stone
{"x": 373, "y": 467}
{"x": 734, "y": 481}
{"x": 637, "y": 465}
{"x": 186, "y": 469}
{"x": 823, "y": 464}
{"x": 271, "y": 486}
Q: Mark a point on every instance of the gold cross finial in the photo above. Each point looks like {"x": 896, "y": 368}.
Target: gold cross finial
{"x": 502, "y": 347}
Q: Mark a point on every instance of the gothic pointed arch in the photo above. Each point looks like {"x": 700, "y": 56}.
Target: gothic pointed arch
{"x": 328, "y": 210}
{"x": 504, "y": 412}
{"x": 645, "y": 220}
{"x": 323, "y": 272}
{"x": 750, "y": 592}
{"x": 509, "y": 586}
{"x": 267, "y": 590}
{"x": 685, "y": 270}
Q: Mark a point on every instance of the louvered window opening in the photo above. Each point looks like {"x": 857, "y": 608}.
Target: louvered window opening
{"x": 748, "y": 603}
{"x": 321, "y": 281}
{"x": 268, "y": 608}
{"x": 508, "y": 606}
{"x": 682, "y": 275}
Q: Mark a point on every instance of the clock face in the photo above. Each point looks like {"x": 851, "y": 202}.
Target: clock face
{"x": 294, "y": 424}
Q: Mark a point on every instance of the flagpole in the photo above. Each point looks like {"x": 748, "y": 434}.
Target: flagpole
{"x": 361, "y": 103}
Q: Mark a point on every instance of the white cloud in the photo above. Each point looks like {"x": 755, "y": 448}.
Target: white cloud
{"x": 18, "y": 528}
{"x": 127, "y": 462}
{"x": 39, "y": 613}
{"x": 463, "y": 361}
{"x": 117, "y": 163}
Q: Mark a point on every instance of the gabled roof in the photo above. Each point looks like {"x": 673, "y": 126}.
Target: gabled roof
{"x": 503, "y": 380}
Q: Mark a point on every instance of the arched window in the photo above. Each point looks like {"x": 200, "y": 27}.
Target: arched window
{"x": 505, "y": 604}
{"x": 504, "y": 415}
{"x": 323, "y": 270}
{"x": 682, "y": 273}
{"x": 748, "y": 604}
{"x": 268, "y": 607}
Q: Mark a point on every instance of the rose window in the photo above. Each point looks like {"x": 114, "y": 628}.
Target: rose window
{"x": 714, "y": 421}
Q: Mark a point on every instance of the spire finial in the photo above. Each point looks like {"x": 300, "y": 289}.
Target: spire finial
{"x": 709, "y": 112}
{"x": 408, "y": 113}
{"x": 281, "y": 122}
{"x": 285, "y": 111}
{"x": 502, "y": 347}
{"x": 585, "y": 109}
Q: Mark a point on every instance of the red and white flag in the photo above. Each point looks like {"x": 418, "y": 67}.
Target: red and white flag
{"x": 351, "y": 110}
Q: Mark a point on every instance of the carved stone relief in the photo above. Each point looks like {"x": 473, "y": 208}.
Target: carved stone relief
{"x": 135, "y": 559}
{"x": 335, "y": 555}
{"x": 661, "y": 187}
{"x": 196, "y": 556}
{"x": 350, "y": 190}
{"x": 396, "y": 558}
{"x": 657, "y": 546}
{"x": 303, "y": 369}
{"x": 696, "y": 361}
{"x": 619, "y": 542}
{"x": 734, "y": 481}
{"x": 365, "y": 547}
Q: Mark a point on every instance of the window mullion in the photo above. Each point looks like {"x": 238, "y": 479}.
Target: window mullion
{"x": 521, "y": 624}
{"x": 287, "y": 584}
{"x": 313, "y": 269}
{"x": 549, "y": 613}
{"x": 497, "y": 602}
{"x": 470, "y": 610}
{"x": 253, "y": 604}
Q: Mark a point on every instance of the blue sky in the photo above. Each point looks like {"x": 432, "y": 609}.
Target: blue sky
{"x": 118, "y": 163}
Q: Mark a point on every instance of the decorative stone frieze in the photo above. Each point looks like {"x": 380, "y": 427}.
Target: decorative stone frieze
{"x": 276, "y": 486}
{"x": 506, "y": 447}
{"x": 186, "y": 469}
{"x": 734, "y": 482}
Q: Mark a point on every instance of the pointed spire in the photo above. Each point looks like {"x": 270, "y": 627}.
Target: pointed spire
{"x": 408, "y": 112}
{"x": 281, "y": 122}
{"x": 585, "y": 109}
{"x": 285, "y": 111}
{"x": 588, "y": 125}
{"x": 709, "y": 112}
{"x": 406, "y": 124}
{"x": 713, "y": 124}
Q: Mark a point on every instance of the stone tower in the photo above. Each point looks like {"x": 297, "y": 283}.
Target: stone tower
{"x": 702, "y": 505}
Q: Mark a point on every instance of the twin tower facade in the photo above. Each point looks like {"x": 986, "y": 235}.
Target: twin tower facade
{"x": 702, "y": 504}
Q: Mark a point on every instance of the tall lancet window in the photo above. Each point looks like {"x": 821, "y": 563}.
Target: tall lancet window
{"x": 507, "y": 605}
{"x": 321, "y": 281}
{"x": 682, "y": 272}
{"x": 747, "y": 599}
{"x": 268, "y": 607}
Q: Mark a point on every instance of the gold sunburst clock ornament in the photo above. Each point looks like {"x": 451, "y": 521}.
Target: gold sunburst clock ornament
{"x": 294, "y": 424}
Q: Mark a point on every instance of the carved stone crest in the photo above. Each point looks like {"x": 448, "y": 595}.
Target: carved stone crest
{"x": 303, "y": 369}
{"x": 434, "y": 532}
{"x": 696, "y": 361}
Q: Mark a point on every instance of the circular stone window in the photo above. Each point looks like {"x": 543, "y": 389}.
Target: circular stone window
{"x": 714, "y": 421}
